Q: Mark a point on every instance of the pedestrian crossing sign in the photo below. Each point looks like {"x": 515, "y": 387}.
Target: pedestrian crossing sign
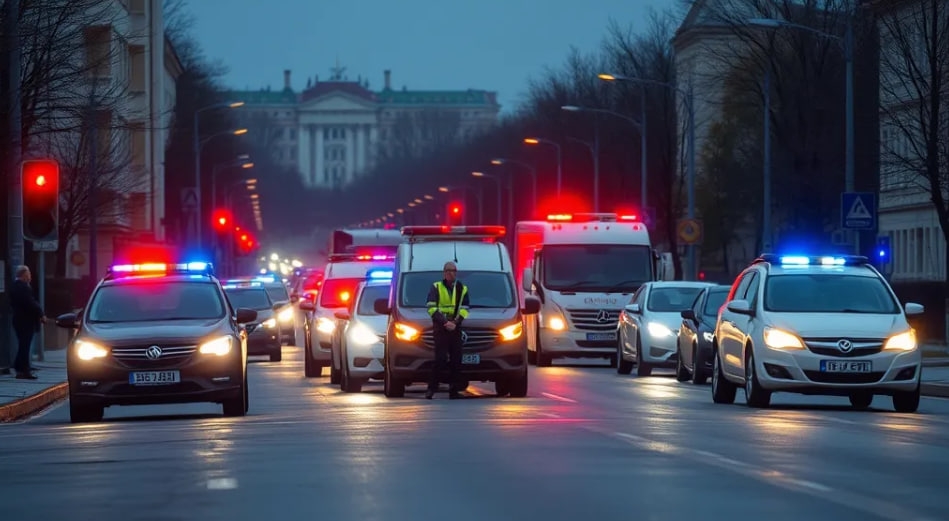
{"x": 858, "y": 211}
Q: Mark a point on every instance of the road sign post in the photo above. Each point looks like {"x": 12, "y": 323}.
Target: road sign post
{"x": 689, "y": 231}
{"x": 858, "y": 211}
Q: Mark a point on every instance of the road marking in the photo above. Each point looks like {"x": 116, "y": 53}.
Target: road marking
{"x": 870, "y": 505}
{"x": 222, "y": 484}
{"x": 551, "y": 415}
{"x": 558, "y": 397}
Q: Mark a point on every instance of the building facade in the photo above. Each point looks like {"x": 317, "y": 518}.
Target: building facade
{"x": 336, "y": 130}
{"x": 120, "y": 106}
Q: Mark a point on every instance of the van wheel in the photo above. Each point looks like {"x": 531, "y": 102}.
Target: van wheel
{"x": 518, "y": 386}
{"x": 501, "y": 388}
{"x": 392, "y": 388}
{"x": 85, "y": 413}
{"x": 277, "y": 355}
{"x": 542, "y": 359}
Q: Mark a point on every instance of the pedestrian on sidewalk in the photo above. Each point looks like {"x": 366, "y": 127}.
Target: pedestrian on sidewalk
{"x": 27, "y": 318}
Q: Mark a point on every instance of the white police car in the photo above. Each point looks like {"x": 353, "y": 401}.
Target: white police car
{"x": 815, "y": 325}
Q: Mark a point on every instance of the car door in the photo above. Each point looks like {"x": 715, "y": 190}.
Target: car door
{"x": 727, "y": 334}
{"x": 631, "y": 323}
{"x": 688, "y": 331}
{"x": 745, "y": 325}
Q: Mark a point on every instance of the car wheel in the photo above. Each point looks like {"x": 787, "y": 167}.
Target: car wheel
{"x": 310, "y": 368}
{"x": 723, "y": 391}
{"x": 347, "y": 383}
{"x": 623, "y": 366}
{"x": 517, "y": 387}
{"x": 861, "y": 400}
{"x": 501, "y": 388}
{"x": 335, "y": 375}
{"x": 906, "y": 401}
{"x": 85, "y": 413}
{"x": 237, "y": 406}
{"x": 542, "y": 359}
{"x": 642, "y": 368}
{"x": 277, "y": 355}
{"x": 698, "y": 367}
{"x": 755, "y": 395}
{"x": 682, "y": 374}
{"x": 391, "y": 387}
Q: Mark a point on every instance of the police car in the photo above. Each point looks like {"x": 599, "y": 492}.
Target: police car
{"x": 157, "y": 333}
{"x": 815, "y": 325}
{"x": 361, "y": 333}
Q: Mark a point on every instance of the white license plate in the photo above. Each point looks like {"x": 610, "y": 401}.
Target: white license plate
{"x": 471, "y": 359}
{"x": 155, "y": 378}
{"x": 842, "y": 366}
{"x": 601, "y": 336}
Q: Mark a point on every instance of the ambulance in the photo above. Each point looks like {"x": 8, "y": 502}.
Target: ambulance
{"x": 584, "y": 268}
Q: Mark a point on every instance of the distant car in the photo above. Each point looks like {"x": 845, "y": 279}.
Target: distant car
{"x": 287, "y": 314}
{"x": 649, "y": 325}
{"x": 361, "y": 336}
{"x": 821, "y": 325}
{"x": 695, "y": 335}
{"x": 263, "y": 334}
{"x": 154, "y": 334}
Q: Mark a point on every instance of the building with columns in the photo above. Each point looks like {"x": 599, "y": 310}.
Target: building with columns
{"x": 336, "y": 130}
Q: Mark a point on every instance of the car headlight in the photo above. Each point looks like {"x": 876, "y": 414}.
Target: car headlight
{"x": 270, "y": 323}
{"x": 286, "y": 315}
{"x": 780, "y": 339}
{"x": 325, "y": 325}
{"x": 89, "y": 351}
{"x": 707, "y": 335}
{"x": 657, "y": 330}
{"x": 362, "y": 335}
{"x": 511, "y": 332}
{"x": 905, "y": 341}
{"x": 219, "y": 346}
{"x": 556, "y": 323}
{"x": 406, "y": 332}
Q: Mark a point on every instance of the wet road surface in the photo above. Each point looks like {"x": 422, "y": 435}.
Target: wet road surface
{"x": 585, "y": 444}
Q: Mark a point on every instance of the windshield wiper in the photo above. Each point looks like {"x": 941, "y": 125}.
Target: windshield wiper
{"x": 619, "y": 285}
{"x": 577, "y": 284}
{"x": 499, "y": 306}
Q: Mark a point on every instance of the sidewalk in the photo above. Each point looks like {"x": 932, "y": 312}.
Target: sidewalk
{"x": 20, "y": 398}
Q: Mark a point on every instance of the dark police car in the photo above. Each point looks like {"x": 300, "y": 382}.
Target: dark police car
{"x": 154, "y": 334}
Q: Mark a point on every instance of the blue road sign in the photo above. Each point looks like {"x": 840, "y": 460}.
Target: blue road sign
{"x": 858, "y": 210}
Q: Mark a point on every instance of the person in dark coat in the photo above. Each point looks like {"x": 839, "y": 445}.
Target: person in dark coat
{"x": 448, "y": 306}
{"x": 27, "y": 317}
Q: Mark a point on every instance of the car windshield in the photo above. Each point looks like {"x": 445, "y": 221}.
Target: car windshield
{"x": 254, "y": 298}
{"x": 716, "y": 299}
{"x": 817, "y": 293}
{"x": 672, "y": 299}
{"x": 596, "y": 267}
{"x": 156, "y": 301}
{"x": 277, "y": 293}
{"x": 368, "y": 298}
{"x": 486, "y": 289}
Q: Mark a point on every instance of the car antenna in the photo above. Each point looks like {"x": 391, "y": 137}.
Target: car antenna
{"x": 455, "y": 251}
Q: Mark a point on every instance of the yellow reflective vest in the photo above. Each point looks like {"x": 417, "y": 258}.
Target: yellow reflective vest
{"x": 440, "y": 299}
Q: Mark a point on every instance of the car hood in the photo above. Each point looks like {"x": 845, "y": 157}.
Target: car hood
{"x": 839, "y": 325}
{"x": 671, "y": 320}
{"x": 478, "y": 317}
{"x": 172, "y": 331}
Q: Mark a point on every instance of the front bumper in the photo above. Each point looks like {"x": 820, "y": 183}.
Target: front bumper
{"x": 659, "y": 351}
{"x": 366, "y": 361}
{"x": 578, "y": 344}
{"x": 412, "y": 362}
{"x": 800, "y": 371}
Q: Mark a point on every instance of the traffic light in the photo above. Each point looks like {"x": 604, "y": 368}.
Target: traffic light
{"x": 246, "y": 242}
{"x": 456, "y": 214}
{"x": 40, "y": 180}
{"x": 883, "y": 249}
{"x": 221, "y": 220}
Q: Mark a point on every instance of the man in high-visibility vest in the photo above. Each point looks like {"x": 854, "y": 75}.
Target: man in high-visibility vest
{"x": 448, "y": 306}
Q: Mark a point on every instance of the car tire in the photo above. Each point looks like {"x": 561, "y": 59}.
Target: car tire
{"x": 391, "y": 387}
{"x": 755, "y": 395}
{"x": 517, "y": 387}
{"x": 698, "y": 367}
{"x": 542, "y": 359}
{"x": 335, "y": 375}
{"x": 277, "y": 355}
{"x": 236, "y": 407}
{"x": 723, "y": 391}
{"x": 642, "y": 368}
{"x": 310, "y": 368}
{"x": 906, "y": 401}
{"x": 347, "y": 383}
{"x": 85, "y": 413}
{"x": 501, "y": 388}
{"x": 623, "y": 366}
{"x": 682, "y": 374}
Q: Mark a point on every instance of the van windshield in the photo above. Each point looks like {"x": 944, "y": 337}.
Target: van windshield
{"x": 596, "y": 267}
{"x": 486, "y": 289}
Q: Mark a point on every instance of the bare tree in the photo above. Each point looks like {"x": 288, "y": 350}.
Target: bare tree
{"x": 416, "y": 134}
{"x": 914, "y": 87}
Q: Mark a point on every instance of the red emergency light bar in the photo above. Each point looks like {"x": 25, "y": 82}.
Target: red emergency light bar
{"x": 343, "y": 257}
{"x": 479, "y": 231}
{"x": 590, "y": 217}
{"x": 376, "y": 257}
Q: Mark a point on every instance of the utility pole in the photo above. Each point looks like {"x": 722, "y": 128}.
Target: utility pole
{"x": 766, "y": 235}
{"x": 15, "y": 254}
{"x": 93, "y": 133}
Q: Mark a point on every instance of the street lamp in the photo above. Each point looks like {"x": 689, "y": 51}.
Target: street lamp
{"x": 542, "y": 141}
{"x": 596, "y": 159}
{"x": 847, "y": 43}
{"x": 497, "y": 181}
{"x": 690, "y": 168}
{"x": 197, "y": 152}
{"x": 641, "y": 125}
{"x": 500, "y": 161}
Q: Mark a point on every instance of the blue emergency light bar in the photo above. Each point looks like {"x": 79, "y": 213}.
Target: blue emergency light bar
{"x": 156, "y": 268}
{"x": 814, "y": 260}
{"x": 379, "y": 274}
{"x": 242, "y": 284}
{"x": 265, "y": 278}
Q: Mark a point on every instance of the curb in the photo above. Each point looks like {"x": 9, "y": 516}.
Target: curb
{"x": 935, "y": 390}
{"x": 33, "y": 404}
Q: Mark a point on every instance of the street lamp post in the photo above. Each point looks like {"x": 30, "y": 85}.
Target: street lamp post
{"x": 847, "y": 43}
{"x": 197, "y": 153}
{"x": 766, "y": 234}
{"x": 690, "y": 158}
{"x": 542, "y": 141}
{"x": 497, "y": 181}
{"x": 595, "y": 152}
{"x": 530, "y": 170}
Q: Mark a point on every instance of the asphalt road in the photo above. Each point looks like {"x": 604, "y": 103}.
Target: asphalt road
{"x": 586, "y": 444}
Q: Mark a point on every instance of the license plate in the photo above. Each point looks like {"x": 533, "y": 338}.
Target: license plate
{"x": 840, "y": 366}
{"x": 471, "y": 359}
{"x": 155, "y": 378}
{"x": 601, "y": 336}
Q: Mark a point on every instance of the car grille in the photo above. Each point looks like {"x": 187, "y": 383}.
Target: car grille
{"x": 136, "y": 357}
{"x": 828, "y": 346}
{"x": 478, "y": 337}
{"x": 594, "y": 319}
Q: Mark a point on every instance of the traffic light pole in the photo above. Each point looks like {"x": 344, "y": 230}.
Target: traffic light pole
{"x": 15, "y": 254}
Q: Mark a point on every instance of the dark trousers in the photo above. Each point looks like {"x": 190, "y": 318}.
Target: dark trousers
{"x": 447, "y": 359}
{"x": 24, "y": 337}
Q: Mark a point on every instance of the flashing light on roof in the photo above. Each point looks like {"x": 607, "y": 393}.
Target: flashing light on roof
{"x": 817, "y": 260}
{"x": 559, "y": 217}
{"x": 265, "y": 278}
{"x": 629, "y": 217}
{"x": 588, "y": 217}
{"x": 377, "y": 257}
{"x": 161, "y": 267}
{"x": 242, "y": 284}
{"x": 484, "y": 230}
{"x": 379, "y": 275}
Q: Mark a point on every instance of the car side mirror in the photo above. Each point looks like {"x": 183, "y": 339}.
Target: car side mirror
{"x": 633, "y": 308}
{"x": 307, "y": 305}
{"x": 912, "y": 308}
{"x": 343, "y": 315}
{"x": 68, "y": 321}
{"x": 531, "y": 306}
{"x": 742, "y": 307}
{"x": 527, "y": 282}
{"x": 689, "y": 314}
{"x": 245, "y": 315}
{"x": 381, "y": 306}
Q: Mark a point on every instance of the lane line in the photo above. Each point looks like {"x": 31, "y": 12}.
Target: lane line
{"x": 558, "y": 397}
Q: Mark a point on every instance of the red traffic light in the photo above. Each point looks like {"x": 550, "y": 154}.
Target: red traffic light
{"x": 222, "y": 219}
{"x": 40, "y": 180}
{"x": 455, "y": 213}
{"x": 455, "y": 209}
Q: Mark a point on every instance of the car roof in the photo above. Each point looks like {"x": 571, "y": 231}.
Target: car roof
{"x": 154, "y": 279}
{"x": 856, "y": 271}
{"x": 679, "y": 284}
{"x": 468, "y": 255}
{"x": 353, "y": 268}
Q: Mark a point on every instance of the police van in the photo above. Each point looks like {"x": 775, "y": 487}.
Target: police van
{"x": 495, "y": 348}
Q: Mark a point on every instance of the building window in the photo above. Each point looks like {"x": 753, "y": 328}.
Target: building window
{"x": 137, "y": 62}
{"x": 98, "y": 47}
{"x": 139, "y": 146}
{"x": 137, "y": 6}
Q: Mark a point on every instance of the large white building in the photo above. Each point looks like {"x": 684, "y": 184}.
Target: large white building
{"x": 123, "y": 85}
{"x": 335, "y": 130}
{"x": 906, "y": 214}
